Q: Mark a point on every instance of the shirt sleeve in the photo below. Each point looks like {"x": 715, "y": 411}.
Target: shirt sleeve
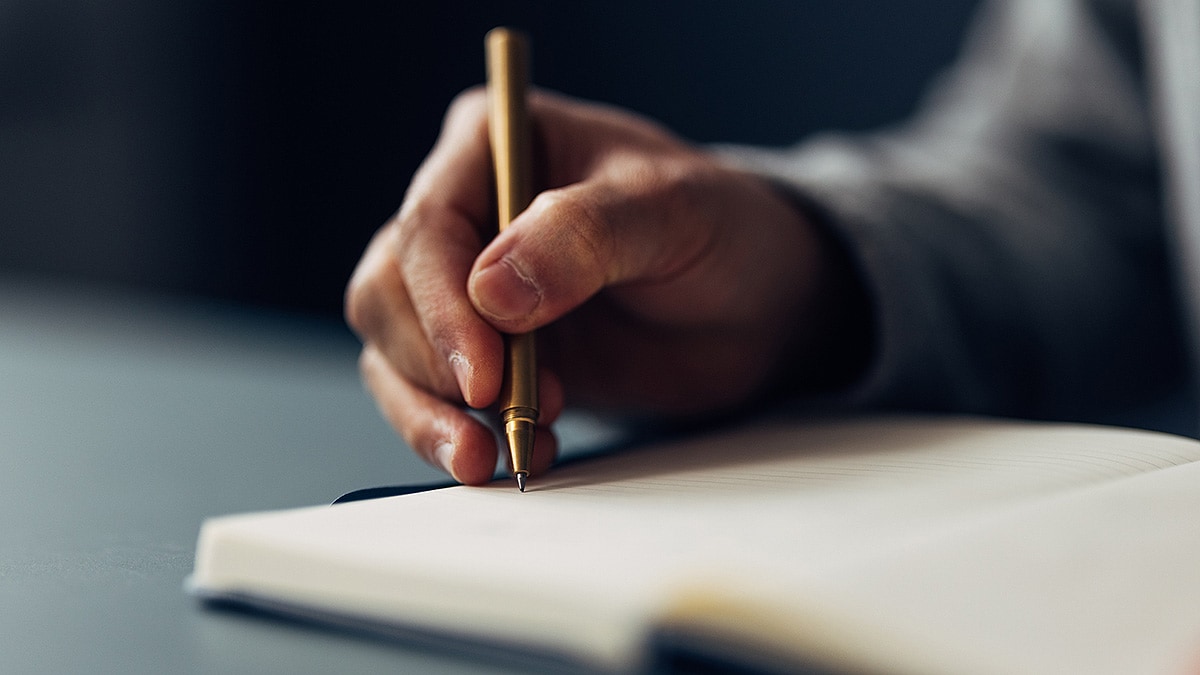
{"x": 1011, "y": 235}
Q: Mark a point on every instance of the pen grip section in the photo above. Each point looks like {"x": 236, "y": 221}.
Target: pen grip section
{"x": 519, "y": 387}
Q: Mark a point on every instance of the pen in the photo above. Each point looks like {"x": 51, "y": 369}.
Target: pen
{"x": 507, "y": 54}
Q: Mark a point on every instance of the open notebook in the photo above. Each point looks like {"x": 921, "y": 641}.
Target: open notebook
{"x": 895, "y": 545}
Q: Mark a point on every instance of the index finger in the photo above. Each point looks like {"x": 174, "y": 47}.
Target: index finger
{"x": 446, "y": 217}
{"x": 408, "y": 295}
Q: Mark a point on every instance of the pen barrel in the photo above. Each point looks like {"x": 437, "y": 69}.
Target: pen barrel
{"x": 508, "y": 121}
{"x": 507, "y": 55}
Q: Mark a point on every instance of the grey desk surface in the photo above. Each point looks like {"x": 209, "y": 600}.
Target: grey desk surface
{"x": 125, "y": 421}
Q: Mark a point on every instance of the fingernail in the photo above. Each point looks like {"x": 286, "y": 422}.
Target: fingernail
{"x": 504, "y": 291}
{"x": 443, "y": 454}
{"x": 462, "y": 372}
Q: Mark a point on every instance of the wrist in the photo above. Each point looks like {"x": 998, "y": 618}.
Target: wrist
{"x": 832, "y": 338}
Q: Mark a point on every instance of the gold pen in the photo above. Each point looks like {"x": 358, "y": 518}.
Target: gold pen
{"x": 508, "y": 126}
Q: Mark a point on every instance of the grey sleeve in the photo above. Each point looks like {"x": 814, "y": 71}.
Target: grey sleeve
{"x": 1010, "y": 235}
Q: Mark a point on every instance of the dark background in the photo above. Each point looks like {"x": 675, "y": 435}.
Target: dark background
{"x": 246, "y": 151}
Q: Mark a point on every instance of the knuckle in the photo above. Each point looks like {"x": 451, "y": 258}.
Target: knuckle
{"x": 358, "y": 300}
{"x": 365, "y": 364}
{"x": 362, "y": 297}
{"x": 592, "y": 238}
{"x": 680, "y": 185}
{"x": 416, "y": 216}
{"x": 468, "y": 104}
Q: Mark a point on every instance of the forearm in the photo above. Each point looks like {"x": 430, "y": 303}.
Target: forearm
{"x": 1009, "y": 239}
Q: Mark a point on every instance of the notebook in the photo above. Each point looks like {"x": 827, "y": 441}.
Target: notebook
{"x": 883, "y": 544}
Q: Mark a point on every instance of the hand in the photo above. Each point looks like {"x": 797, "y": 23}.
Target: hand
{"x": 660, "y": 281}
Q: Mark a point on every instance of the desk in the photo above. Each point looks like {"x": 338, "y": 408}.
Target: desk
{"x": 125, "y": 420}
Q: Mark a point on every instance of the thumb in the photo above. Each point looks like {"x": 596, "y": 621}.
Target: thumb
{"x": 573, "y": 242}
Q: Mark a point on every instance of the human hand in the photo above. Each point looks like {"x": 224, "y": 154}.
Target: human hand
{"x": 660, "y": 281}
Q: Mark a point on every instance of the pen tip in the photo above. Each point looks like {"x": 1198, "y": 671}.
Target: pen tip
{"x": 521, "y": 481}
